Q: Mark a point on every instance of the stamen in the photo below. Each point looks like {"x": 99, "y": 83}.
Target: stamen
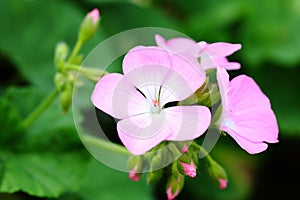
{"x": 155, "y": 103}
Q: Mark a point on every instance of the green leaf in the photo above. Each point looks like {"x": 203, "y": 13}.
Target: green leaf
{"x": 47, "y": 161}
{"x": 9, "y": 119}
{"x": 43, "y": 174}
{"x": 107, "y": 183}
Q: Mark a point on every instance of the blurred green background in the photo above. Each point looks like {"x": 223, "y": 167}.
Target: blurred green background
{"x": 48, "y": 161}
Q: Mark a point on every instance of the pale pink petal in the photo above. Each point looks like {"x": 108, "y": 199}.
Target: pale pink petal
{"x": 251, "y": 111}
{"x": 141, "y": 133}
{"x": 250, "y": 146}
{"x": 222, "y": 49}
{"x": 223, "y": 82}
{"x": 187, "y": 122}
{"x": 179, "y": 45}
{"x": 148, "y": 79}
{"x": 246, "y": 113}
{"x": 148, "y": 68}
{"x": 214, "y": 55}
{"x": 145, "y": 56}
{"x": 114, "y": 95}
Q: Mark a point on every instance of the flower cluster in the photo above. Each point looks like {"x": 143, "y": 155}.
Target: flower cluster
{"x": 156, "y": 77}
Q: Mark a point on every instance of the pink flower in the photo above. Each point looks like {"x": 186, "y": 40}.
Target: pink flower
{"x": 210, "y": 55}
{"x": 246, "y": 113}
{"x": 134, "y": 175}
{"x": 95, "y": 15}
{"x": 152, "y": 78}
{"x": 189, "y": 169}
{"x": 223, "y": 183}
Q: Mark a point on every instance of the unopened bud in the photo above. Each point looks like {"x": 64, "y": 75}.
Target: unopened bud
{"x": 66, "y": 99}
{"x": 223, "y": 183}
{"x": 89, "y": 25}
{"x": 188, "y": 169}
{"x": 174, "y": 186}
{"x": 185, "y": 148}
{"x": 134, "y": 175}
{"x": 61, "y": 53}
{"x": 217, "y": 174}
{"x": 60, "y": 81}
{"x": 135, "y": 165}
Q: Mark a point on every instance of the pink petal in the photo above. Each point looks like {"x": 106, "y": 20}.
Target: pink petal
{"x": 214, "y": 55}
{"x": 250, "y": 146}
{"x": 148, "y": 79}
{"x": 179, "y": 45}
{"x": 148, "y": 68}
{"x": 114, "y": 95}
{"x": 141, "y": 133}
{"x": 145, "y": 56}
{"x": 246, "y": 114}
{"x": 222, "y": 49}
{"x": 187, "y": 122}
{"x": 252, "y": 113}
{"x": 223, "y": 82}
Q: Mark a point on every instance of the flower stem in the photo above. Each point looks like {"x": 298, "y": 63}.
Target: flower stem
{"x": 203, "y": 151}
{"x": 40, "y": 109}
{"x": 75, "y": 51}
{"x": 91, "y": 140}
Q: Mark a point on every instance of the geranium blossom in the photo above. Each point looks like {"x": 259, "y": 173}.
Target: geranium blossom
{"x": 209, "y": 55}
{"x": 152, "y": 78}
{"x": 246, "y": 113}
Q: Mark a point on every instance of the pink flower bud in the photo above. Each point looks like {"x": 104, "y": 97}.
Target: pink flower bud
{"x": 170, "y": 194}
{"x": 94, "y": 14}
{"x": 189, "y": 169}
{"x": 89, "y": 25}
{"x": 133, "y": 175}
{"x": 223, "y": 183}
{"x": 184, "y": 149}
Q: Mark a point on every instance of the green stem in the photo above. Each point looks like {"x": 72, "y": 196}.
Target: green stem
{"x": 75, "y": 51}
{"x": 203, "y": 151}
{"x": 40, "y": 109}
{"x": 105, "y": 145}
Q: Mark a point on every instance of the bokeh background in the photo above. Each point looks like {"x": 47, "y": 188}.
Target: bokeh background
{"x": 49, "y": 162}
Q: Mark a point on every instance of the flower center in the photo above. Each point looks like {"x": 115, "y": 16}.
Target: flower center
{"x": 155, "y": 107}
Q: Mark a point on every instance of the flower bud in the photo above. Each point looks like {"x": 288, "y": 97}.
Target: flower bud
{"x": 217, "y": 174}
{"x": 89, "y": 25}
{"x": 134, "y": 175}
{"x": 185, "y": 148}
{"x": 188, "y": 169}
{"x": 174, "y": 186}
{"x": 135, "y": 165}
{"x": 61, "y": 53}
{"x": 60, "y": 81}
{"x": 66, "y": 99}
{"x": 223, "y": 183}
